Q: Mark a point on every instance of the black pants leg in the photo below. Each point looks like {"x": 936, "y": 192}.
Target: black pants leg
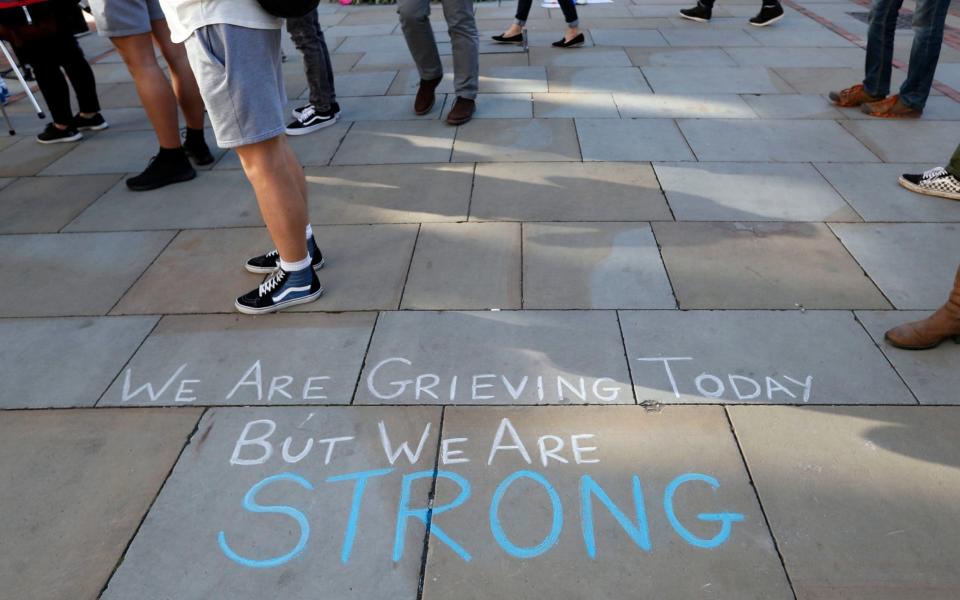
{"x": 75, "y": 64}
{"x": 50, "y": 79}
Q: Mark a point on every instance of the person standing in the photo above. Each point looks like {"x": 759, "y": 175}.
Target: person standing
{"x": 573, "y": 38}
{"x": 234, "y": 48}
{"x": 942, "y": 325}
{"x": 770, "y": 12}
{"x": 133, "y": 26}
{"x": 929, "y": 17}
{"x": 322, "y": 110}
{"x": 418, "y": 32}
{"x": 42, "y": 32}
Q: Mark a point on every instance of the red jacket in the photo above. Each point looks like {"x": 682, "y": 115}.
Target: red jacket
{"x": 18, "y": 3}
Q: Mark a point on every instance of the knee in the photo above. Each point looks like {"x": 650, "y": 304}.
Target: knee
{"x": 462, "y": 24}
{"x": 412, "y": 10}
{"x": 262, "y": 158}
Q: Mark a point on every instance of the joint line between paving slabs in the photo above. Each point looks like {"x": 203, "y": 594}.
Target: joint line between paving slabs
{"x": 429, "y": 523}
{"x": 413, "y": 254}
{"x": 626, "y": 356}
{"x": 865, "y": 274}
{"x": 340, "y": 143}
{"x": 363, "y": 362}
{"x": 886, "y": 358}
{"x": 473, "y": 187}
{"x": 144, "y": 272}
{"x": 136, "y": 532}
{"x": 126, "y": 363}
{"x": 521, "y": 267}
{"x": 673, "y": 289}
{"x": 763, "y": 511}
{"x": 842, "y": 197}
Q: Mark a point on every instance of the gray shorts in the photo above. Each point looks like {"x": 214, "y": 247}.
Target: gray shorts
{"x": 241, "y": 81}
{"x": 119, "y": 18}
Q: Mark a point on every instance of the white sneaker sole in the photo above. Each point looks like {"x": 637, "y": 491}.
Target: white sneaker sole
{"x": 927, "y": 191}
{"x": 765, "y": 24}
{"x": 696, "y": 19}
{"x": 266, "y": 271}
{"x": 279, "y": 306}
{"x": 66, "y": 140}
{"x": 99, "y": 127}
{"x": 312, "y": 128}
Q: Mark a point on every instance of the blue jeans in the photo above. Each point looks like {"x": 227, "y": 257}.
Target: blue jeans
{"x": 928, "y": 21}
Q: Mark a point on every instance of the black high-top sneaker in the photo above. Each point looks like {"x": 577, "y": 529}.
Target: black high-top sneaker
{"x": 700, "y": 13}
{"x": 168, "y": 166}
{"x": 281, "y": 290}
{"x": 270, "y": 262}
{"x": 768, "y": 15}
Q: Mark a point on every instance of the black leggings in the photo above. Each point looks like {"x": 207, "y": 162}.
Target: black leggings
{"x": 51, "y": 53}
{"x": 569, "y": 8}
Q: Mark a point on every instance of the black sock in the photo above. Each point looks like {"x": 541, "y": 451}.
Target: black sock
{"x": 170, "y": 153}
{"x": 194, "y": 136}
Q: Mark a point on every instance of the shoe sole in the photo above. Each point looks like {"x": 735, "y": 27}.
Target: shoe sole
{"x": 766, "y": 23}
{"x": 421, "y": 113}
{"x": 142, "y": 188}
{"x": 312, "y": 128}
{"x": 201, "y": 163}
{"x": 577, "y": 45}
{"x": 508, "y": 41}
{"x": 459, "y": 121}
{"x": 100, "y": 127}
{"x": 278, "y": 307}
{"x": 66, "y": 140}
{"x": 890, "y": 116}
{"x": 266, "y": 271}
{"x": 696, "y": 19}
{"x": 925, "y": 191}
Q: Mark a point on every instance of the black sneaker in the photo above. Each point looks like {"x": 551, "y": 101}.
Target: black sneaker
{"x": 699, "y": 13}
{"x": 94, "y": 123}
{"x": 279, "y": 292}
{"x": 197, "y": 149}
{"x": 163, "y": 171}
{"x": 270, "y": 262}
{"x": 54, "y": 135}
{"x": 768, "y": 15}
{"x": 311, "y": 120}
{"x": 296, "y": 112}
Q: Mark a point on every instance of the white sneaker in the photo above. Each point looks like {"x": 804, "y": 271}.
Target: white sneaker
{"x": 310, "y": 120}
{"x": 935, "y": 182}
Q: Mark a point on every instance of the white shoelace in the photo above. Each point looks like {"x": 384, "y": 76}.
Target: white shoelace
{"x": 934, "y": 173}
{"x": 278, "y": 277}
{"x": 307, "y": 113}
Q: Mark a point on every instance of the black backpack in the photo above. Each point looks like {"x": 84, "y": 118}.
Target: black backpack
{"x": 289, "y": 8}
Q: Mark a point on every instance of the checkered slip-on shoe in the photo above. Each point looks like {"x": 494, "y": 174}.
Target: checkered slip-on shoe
{"x": 935, "y": 182}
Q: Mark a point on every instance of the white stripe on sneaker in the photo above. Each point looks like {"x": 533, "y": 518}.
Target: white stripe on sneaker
{"x": 289, "y": 291}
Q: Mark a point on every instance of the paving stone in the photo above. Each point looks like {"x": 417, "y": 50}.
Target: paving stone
{"x": 210, "y": 360}
{"x": 643, "y": 38}
{"x": 671, "y": 106}
{"x": 743, "y": 192}
{"x": 874, "y": 192}
{"x": 387, "y": 108}
{"x": 77, "y": 274}
{"x": 514, "y": 140}
{"x": 682, "y": 440}
{"x": 823, "y": 80}
{"x": 757, "y": 357}
{"x": 375, "y": 44}
{"x": 772, "y": 141}
{"x": 798, "y": 57}
{"x": 499, "y": 106}
{"x": 465, "y": 266}
{"x": 372, "y": 83}
{"x": 820, "y": 37}
{"x": 62, "y": 347}
{"x": 392, "y": 142}
{"x": 567, "y": 80}
{"x": 782, "y": 106}
{"x": 313, "y": 150}
{"x": 100, "y": 471}
{"x": 913, "y": 263}
{"x": 538, "y": 38}
{"x": 933, "y": 375}
{"x": 179, "y": 550}
{"x": 709, "y": 37}
{"x": 918, "y": 141}
{"x": 389, "y": 193}
{"x": 47, "y": 204}
{"x": 556, "y": 192}
{"x": 113, "y": 152}
{"x": 660, "y": 10}
{"x": 574, "y": 105}
{"x": 208, "y": 264}
{"x": 493, "y": 80}
{"x": 510, "y": 351}
{"x": 631, "y": 140}
{"x": 213, "y": 199}
{"x": 762, "y": 266}
{"x": 600, "y": 265}
{"x": 25, "y": 157}
{"x": 858, "y": 498}
{"x": 372, "y": 29}
{"x": 716, "y": 80}
{"x": 127, "y": 119}
{"x": 584, "y": 57}
{"x": 702, "y": 57}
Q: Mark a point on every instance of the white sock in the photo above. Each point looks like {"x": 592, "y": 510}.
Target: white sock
{"x": 293, "y": 267}
{"x": 309, "y": 231}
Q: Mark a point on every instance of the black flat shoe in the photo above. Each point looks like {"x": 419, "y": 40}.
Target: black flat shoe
{"x": 513, "y": 39}
{"x": 574, "y": 43}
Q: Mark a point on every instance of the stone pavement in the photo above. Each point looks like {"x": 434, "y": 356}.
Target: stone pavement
{"x": 621, "y": 336}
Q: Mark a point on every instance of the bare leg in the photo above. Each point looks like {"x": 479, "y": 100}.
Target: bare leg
{"x": 184, "y": 82}
{"x": 280, "y": 186}
{"x": 154, "y": 90}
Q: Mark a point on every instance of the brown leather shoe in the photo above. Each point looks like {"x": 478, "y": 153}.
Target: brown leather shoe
{"x": 935, "y": 329}
{"x": 890, "y": 108}
{"x": 462, "y": 111}
{"x": 426, "y": 95}
{"x": 852, "y": 96}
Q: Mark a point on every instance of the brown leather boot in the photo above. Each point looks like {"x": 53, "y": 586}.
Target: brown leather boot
{"x": 462, "y": 111}
{"x": 426, "y": 95}
{"x": 932, "y": 331}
